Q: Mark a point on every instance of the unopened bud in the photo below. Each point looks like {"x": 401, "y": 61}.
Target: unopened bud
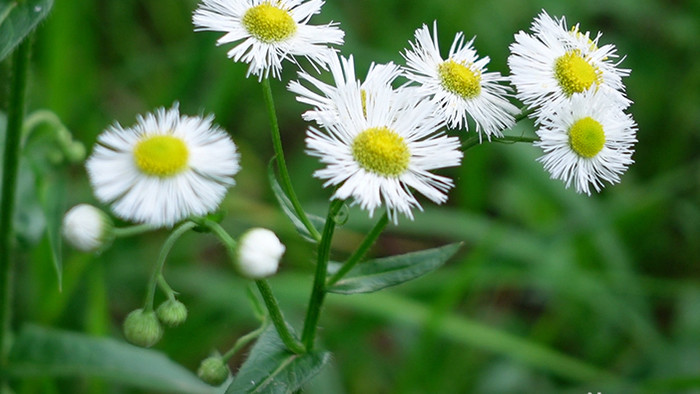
{"x": 172, "y": 312}
{"x": 258, "y": 254}
{"x": 213, "y": 370}
{"x": 142, "y": 328}
{"x": 87, "y": 228}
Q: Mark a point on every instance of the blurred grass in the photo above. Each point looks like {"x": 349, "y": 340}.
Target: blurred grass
{"x": 611, "y": 281}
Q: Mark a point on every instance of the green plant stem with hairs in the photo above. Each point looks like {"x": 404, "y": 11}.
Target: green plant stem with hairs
{"x": 158, "y": 269}
{"x": 13, "y": 135}
{"x": 318, "y": 291}
{"x": 268, "y": 297}
{"x": 285, "y": 180}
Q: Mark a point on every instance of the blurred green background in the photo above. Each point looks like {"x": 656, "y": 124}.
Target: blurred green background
{"x": 552, "y": 291}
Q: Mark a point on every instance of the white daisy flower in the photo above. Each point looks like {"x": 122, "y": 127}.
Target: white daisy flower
{"x": 385, "y": 143}
{"x": 460, "y": 85}
{"x": 269, "y": 31}
{"x": 590, "y": 140}
{"x": 325, "y": 111}
{"x": 555, "y": 63}
{"x": 164, "y": 169}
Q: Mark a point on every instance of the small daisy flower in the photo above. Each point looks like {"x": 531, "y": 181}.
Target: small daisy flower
{"x": 164, "y": 169}
{"x": 460, "y": 85}
{"x": 590, "y": 140}
{"x": 325, "y": 111}
{"x": 555, "y": 63}
{"x": 269, "y": 31}
{"x": 386, "y": 143}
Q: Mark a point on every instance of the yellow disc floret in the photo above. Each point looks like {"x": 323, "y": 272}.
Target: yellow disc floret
{"x": 161, "y": 155}
{"x": 381, "y": 151}
{"x": 268, "y": 23}
{"x": 460, "y": 79}
{"x": 587, "y": 137}
{"x": 574, "y": 73}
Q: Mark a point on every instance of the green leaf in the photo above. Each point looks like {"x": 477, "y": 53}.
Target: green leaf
{"x": 377, "y": 274}
{"x": 271, "y": 368}
{"x": 19, "y": 18}
{"x": 52, "y": 190}
{"x": 288, "y": 208}
{"x": 41, "y": 351}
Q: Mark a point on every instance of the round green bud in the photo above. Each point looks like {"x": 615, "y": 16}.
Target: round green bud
{"x": 213, "y": 370}
{"x": 142, "y": 328}
{"x": 172, "y": 313}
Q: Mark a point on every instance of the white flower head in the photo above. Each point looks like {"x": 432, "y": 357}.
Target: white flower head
{"x": 269, "y": 31}
{"x": 385, "y": 143}
{"x": 555, "y": 63}
{"x": 259, "y": 252}
{"x": 590, "y": 140}
{"x": 87, "y": 228}
{"x": 325, "y": 110}
{"x": 164, "y": 169}
{"x": 460, "y": 84}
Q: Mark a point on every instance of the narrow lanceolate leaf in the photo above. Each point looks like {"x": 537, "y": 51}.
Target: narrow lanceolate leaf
{"x": 377, "y": 274}
{"x": 17, "y": 19}
{"x": 52, "y": 196}
{"x": 288, "y": 208}
{"x": 41, "y": 351}
{"x": 271, "y": 368}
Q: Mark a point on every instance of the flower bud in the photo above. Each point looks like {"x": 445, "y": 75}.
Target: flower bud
{"x": 213, "y": 370}
{"x": 87, "y": 228}
{"x": 172, "y": 312}
{"x": 258, "y": 254}
{"x": 142, "y": 328}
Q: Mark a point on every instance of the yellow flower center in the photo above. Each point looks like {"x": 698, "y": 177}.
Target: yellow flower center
{"x": 574, "y": 73}
{"x": 161, "y": 155}
{"x": 460, "y": 79}
{"x": 587, "y": 137}
{"x": 382, "y": 151}
{"x": 268, "y": 23}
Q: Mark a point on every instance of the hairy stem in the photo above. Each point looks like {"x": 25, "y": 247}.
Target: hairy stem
{"x": 285, "y": 180}
{"x": 318, "y": 291}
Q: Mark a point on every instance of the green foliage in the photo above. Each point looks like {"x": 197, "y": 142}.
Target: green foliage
{"x": 18, "y": 19}
{"x": 39, "y": 352}
{"x": 271, "y": 368}
{"x": 381, "y": 273}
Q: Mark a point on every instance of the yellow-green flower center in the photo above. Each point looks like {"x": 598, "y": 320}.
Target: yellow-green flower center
{"x": 268, "y": 23}
{"x": 161, "y": 155}
{"x": 381, "y": 151}
{"x": 587, "y": 137}
{"x": 460, "y": 79}
{"x": 574, "y": 73}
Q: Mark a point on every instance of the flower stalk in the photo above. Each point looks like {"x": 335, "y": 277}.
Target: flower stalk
{"x": 285, "y": 180}
{"x": 15, "y": 120}
{"x": 318, "y": 291}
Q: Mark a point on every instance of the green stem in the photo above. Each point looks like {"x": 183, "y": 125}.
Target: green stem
{"x": 319, "y": 291}
{"x": 158, "y": 269}
{"x": 165, "y": 287}
{"x": 15, "y": 118}
{"x": 244, "y": 340}
{"x": 273, "y": 308}
{"x": 360, "y": 251}
{"x": 132, "y": 230}
{"x": 512, "y": 139}
{"x": 285, "y": 180}
{"x": 524, "y": 113}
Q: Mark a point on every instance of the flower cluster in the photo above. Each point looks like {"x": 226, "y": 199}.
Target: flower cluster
{"x": 575, "y": 91}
